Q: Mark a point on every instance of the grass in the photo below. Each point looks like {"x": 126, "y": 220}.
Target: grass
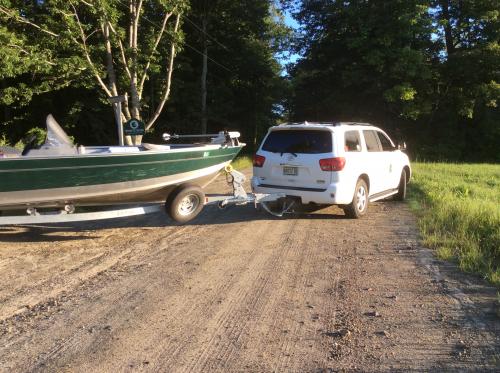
{"x": 242, "y": 162}
{"x": 458, "y": 206}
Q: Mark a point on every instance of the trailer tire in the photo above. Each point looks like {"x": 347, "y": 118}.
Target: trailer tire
{"x": 185, "y": 203}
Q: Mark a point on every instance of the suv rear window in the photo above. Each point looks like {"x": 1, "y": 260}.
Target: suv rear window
{"x": 298, "y": 141}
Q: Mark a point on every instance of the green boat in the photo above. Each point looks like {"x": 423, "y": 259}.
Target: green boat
{"x": 61, "y": 175}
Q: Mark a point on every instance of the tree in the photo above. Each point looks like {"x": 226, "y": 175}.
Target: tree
{"x": 116, "y": 45}
{"x": 204, "y": 10}
{"x": 244, "y": 89}
{"x": 422, "y": 66}
{"x": 363, "y": 60}
{"x": 469, "y": 90}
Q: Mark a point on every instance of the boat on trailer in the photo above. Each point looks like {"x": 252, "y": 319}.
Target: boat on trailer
{"x": 60, "y": 175}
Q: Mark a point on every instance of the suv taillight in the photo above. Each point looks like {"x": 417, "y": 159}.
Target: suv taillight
{"x": 258, "y": 160}
{"x": 332, "y": 164}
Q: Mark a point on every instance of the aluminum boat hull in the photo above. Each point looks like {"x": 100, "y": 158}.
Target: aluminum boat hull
{"x": 103, "y": 179}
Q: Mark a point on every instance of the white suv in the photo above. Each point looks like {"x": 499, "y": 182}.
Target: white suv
{"x": 345, "y": 164}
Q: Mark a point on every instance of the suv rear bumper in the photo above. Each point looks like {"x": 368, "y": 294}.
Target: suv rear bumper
{"x": 333, "y": 194}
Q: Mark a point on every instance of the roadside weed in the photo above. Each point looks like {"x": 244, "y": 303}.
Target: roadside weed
{"x": 242, "y": 162}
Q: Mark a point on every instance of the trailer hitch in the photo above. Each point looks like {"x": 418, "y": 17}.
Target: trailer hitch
{"x": 240, "y": 197}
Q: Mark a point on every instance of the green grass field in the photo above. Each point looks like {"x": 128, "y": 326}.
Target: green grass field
{"x": 458, "y": 206}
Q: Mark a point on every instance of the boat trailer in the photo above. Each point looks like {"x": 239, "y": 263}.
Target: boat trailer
{"x": 239, "y": 198}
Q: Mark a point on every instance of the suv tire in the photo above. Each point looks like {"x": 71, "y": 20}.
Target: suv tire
{"x": 401, "y": 195}
{"x": 359, "y": 205}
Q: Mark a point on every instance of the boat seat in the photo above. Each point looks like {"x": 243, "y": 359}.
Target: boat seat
{"x": 123, "y": 149}
{"x": 155, "y": 147}
{"x": 9, "y": 152}
{"x": 48, "y": 151}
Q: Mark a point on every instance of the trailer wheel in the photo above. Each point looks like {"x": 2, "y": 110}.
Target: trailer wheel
{"x": 185, "y": 203}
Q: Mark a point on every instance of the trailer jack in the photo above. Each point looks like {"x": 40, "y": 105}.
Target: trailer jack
{"x": 240, "y": 197}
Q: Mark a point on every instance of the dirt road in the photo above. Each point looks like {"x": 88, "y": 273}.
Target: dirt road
{"x": 240, "y": 291}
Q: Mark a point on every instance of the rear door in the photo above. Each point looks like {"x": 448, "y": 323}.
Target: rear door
{"x": 390, "y": 166}
{"x": 355, "y": 163}
{"x": 374, "y": 160}
{"x": 292, "y": 159}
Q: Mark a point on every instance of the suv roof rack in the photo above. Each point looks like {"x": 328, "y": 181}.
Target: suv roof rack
{"x": 334, "y": 124}
{"x": 354, "y": 123}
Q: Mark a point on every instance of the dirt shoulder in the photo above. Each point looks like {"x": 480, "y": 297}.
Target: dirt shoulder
{"x": 238, "y": 290}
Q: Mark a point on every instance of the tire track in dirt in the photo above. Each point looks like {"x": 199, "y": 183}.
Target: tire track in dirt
{"x": 197, "y": 316}
{"x": 91, "y": 315}
{"x": 183, "y": 312}
{"x": 245, "y": 269}
{"x": 292, "y": 278}
{"x": 29, "y": 295}
{"x": 310, "y": 278}
{"x": 303, "y": 348}
{"x": 234, "y": 320}
{"x": 131, "y": 297}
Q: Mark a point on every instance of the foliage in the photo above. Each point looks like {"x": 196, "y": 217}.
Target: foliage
{"x": 427, "y": 69}
{"x": 423, "y": 69}
{"x": 112, "y": 46}
{"x": 242, "y": 162}
{"x": 459, "y": 213}
{"x": 52, "y": 74}
{"x": 245, "y": 89}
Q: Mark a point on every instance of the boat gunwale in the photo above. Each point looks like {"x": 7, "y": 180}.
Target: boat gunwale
{"x": 113, "y": 155}
{"x": 108, "y": 165}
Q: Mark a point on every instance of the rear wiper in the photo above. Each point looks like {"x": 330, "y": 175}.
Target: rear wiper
{"x": 289, "y": 150}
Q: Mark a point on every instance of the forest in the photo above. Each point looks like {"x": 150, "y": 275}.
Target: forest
{"x": 426, "y": 71}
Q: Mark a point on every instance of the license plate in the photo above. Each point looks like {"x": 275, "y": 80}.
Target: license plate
{"x": 290, "y": 171}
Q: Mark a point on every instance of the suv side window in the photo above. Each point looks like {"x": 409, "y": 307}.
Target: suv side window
{"x": 372, "y": 143}
{"x": 352, "y": 141}
{"x": 386, "y": 143}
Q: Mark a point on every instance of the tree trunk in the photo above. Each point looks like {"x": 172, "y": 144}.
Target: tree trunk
{"x": 204, "y": 118}
{"x": 136, "y": 104}
{"x": 448, "y": 34}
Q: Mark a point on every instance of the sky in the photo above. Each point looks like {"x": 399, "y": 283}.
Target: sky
{"x": 290, "y": 21}
{"x": 290, "y": 58}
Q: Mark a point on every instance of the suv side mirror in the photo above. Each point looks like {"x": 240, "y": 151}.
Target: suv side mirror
{"x": 402, "y": 146}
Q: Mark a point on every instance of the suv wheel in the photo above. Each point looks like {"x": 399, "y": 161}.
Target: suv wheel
{"x": 401, "y": 195}
{"x": 359, "y": 204}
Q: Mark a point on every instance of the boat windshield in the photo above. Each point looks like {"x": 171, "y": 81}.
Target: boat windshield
{"x": 56, "y": 137}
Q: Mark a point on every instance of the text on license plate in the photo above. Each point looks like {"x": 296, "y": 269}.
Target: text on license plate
{"x": 291, "y": 171}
